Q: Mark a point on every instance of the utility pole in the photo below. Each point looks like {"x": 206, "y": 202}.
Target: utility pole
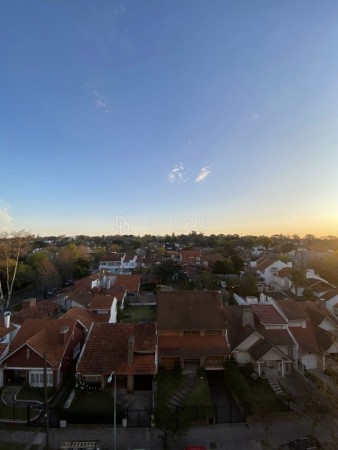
{"x": 46, "y": 399}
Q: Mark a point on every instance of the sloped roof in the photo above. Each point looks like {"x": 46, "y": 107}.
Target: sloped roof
{"x": 330, "y": 294}
{"x": 101, "y": 302}
{"x": 291, "y": 309}
{"x": 264, "y": 263}
{"x": 110, "y": 341}
{"x": 81, "y": 314}
{"x": 234, "y": 323}
{"x": 130, "y": 282}
{"x": 305, "y": 338}
{"x": 192, "y": 346}
{"x": 86, "y": 282}
{"x": 283, "y": 273}
{"x": 276, "y": 337}
{"x": 261, "y": 348}
{"x": 4, "y": 331}
{"x": 317, "y": 312}
{"x": 44, "y": 336}
{"x": 190, "y": 310}
{"x": 111, "y": 257}
{"x": 44, "y": 309}
{"x": 268, "y": 315}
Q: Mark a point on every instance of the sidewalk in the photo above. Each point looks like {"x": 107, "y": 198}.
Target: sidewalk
{"x": 255, "y": 435}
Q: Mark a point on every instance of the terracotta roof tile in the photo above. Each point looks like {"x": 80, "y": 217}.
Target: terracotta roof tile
{"x": 268, "y": 315}
{"x": 44, "y": 335}
{"x": 192, "y": 346}
{"x": 190, "y": 310}
{"x": 110, "y": 341}
{"x": 291, "y": 309}
{"x": 45, "y": 309}
{"x": 264, "y": 264}
{"x": 85, "y": 317}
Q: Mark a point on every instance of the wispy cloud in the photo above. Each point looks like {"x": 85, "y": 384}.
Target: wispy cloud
{"x": 5, "y": 217}
{"x": 101, "y": 103}
{"x": 204, "y": 172}
{"x": 177, "y": 174}
{"x": 122, "y": 7}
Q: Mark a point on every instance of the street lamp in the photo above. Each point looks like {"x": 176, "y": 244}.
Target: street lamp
{"x": 109, "y": 379}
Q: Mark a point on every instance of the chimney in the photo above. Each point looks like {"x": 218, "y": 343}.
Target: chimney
{"x": 28, "y": 303}
{"x": 248, "y": 318}
{"x": 7, "y": 319}
{"x": 131, "y": 341}
{"x": 63, "y": 334}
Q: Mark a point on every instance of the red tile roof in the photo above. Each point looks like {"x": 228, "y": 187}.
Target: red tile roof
{"x": 44, "y": 336}
{"x": 192, "y": 346}
{"x": 291, "y": 309}
{"x": 111, "y": 257}
{"x": 130, "y": 282}
{"x": 305, "y": 338}
{"x": 283, "y": 273}
{"x": 190, "y": 310}
{"x": 85, "y": 317}
{"x": 45, "y": 309}
{"x": 110, "y": 341}
{"x": 101, "y": 302}
{"x": 268, "y": 315}
{"x": 264, "y": 263}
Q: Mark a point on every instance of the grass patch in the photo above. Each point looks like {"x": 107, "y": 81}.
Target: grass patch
{"x": 19, "y": 413}
{"x": 168, "y": 381}
{"x": 257, "y": 397}
{"x": 29, "y": 393}
{"x": 197, "y": 404}
{"x": 135, "y": 314}
{"x": 92, "y": 407}
{"x": 11, "y": 446}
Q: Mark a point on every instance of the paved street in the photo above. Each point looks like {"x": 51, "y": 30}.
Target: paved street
{"x": 252, "y": 436}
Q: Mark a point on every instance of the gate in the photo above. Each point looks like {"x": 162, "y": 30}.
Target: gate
{"x": 138, "y": 417}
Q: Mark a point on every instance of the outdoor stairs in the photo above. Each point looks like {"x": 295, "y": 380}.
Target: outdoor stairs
{"x": 183, "y": 391}
{"x": 276, "y": 387}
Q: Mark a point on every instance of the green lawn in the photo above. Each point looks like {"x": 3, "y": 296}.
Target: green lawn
{"x": 20, "y": 413}
{"x": 257, "y": 397}
{"x": 27, "y": 393}
{"x": 135, "y": 314}
{"x": 91, "y": 407}
{"x": 197, "y": 404}
{"x": 11, "y": 446}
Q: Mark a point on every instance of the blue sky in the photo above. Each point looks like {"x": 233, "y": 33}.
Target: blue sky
{"x": 156, "y": 117}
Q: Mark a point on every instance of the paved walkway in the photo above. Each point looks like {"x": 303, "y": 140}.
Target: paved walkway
{"x": 255, "y": 435}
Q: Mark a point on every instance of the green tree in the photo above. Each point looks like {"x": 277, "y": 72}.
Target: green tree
{"x": 171, "y": 422}
{"x": 248, "y": 284}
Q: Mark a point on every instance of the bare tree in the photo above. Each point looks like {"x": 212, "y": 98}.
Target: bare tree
{"x": 12, "y": 246}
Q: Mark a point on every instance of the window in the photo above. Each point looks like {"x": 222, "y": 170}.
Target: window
{"x": 36, "y": 378}
{"x": 191, "y": 332}
{"x": 213, "y": 332}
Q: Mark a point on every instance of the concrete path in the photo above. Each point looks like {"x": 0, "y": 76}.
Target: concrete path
{"x": 255, "y": 435}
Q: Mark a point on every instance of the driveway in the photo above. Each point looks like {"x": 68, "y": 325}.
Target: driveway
{"x": 227, "y": 410}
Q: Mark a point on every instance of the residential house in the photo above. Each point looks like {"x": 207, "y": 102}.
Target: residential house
{"x": 323, "y": 327}
{"x": 119, "y": 262}
{"x": 266, "y": 268}
{"x": 56, "y": 343}
{"x": 258, "y": 334}
{"x": 331, "y": 300}
{"x": 127, "y": 349}
{"x": 191, "y": 329}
